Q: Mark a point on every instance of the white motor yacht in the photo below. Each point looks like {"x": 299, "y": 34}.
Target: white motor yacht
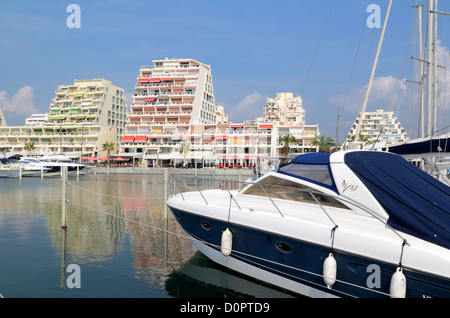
{"x": 346, "y": 224}
{"x": 54, "y": 167}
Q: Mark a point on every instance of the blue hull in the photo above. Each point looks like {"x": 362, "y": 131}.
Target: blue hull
{"x": 302, "y": 262}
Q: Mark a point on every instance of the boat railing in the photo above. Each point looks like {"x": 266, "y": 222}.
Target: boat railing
{"x": 12, "y": 166}
{"x": 318, "y": 197}
{"x": 443, "y": 178}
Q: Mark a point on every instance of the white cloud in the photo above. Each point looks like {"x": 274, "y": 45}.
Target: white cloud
{"x": 21, "y": 103}
{"x": 443, "y": 86}
{"x": 249, "y": 108}
{"x": 386, "y": 92}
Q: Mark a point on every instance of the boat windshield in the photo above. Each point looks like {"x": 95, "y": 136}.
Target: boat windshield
{"x": 28, "y": 160}
{"x": 288, "y": 190}
{"x": 318, "y": 173}
{"x": 312, "y": 167}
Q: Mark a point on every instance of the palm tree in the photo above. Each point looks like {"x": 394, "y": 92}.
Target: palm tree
{"x": 185, "y": 147}
{"x": 323, "y": 142}
{"x": 285, "y": 140}
{"x": 29, "y": 146}
{"x": 362, "y": 138}
{"x": 108, "y": 147}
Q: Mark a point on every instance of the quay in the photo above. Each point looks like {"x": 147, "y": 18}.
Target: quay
{"x": 216, "y": 172}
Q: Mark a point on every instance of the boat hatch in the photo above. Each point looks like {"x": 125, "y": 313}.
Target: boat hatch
{"x": 416, "y": 203}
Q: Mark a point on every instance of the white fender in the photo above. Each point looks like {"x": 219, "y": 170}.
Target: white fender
{"x": 398, "y": 284}
{"x": 227, "y": 242}
{"x": 329, "y": 270}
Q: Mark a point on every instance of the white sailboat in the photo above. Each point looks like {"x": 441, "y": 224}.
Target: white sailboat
{"x": 429, "y": 150}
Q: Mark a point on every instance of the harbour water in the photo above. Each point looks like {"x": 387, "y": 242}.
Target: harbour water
{"x": 118, "y": 243}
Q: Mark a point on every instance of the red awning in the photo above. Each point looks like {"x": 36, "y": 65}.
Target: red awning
{"x": 127, "y": 138}
{"x": 143, "y": 80}
{"x": 150, "y": 99}
{"x": 154, "y": 80}
{"x": 140, "y": 139}
{"x": 265, "y": 127}
{"x": 221, "y": 137}
{"x": 167, "y": 79}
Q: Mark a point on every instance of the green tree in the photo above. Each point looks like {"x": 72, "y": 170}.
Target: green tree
{"x": 108, "y": 147}
{"x": 285, "y": 140}
{"x": 29, "y": 146}
{"x": 362, "y": 138}
{"x": 185, "y": 147}
{"x": 323, "y": 142}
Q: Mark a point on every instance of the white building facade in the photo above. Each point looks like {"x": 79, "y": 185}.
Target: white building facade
{"x": 381, "y": 127}
{"x": 36, "y": 120}
{"x": 284, "y": 110}
{"x": 83, "y": 116}
{"x": 2, "y": 118}
{"x": 174, "y": 119}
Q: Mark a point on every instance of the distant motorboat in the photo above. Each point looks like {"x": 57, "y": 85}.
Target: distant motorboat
{"x": 54, "y": 166}
{"x": 18, "y": 169}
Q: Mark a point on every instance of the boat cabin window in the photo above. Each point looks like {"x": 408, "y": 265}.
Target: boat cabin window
{"x": 317, "y": 173}
{"x": 288, "y": 190}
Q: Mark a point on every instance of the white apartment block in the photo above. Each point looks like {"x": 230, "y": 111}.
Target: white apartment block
{"x": 285, "y": 109}
{"x": 83, "y": 116}
{"x": 218, "y": 144}
{"x": 172, "y": 92}
{"x": 173, "y": 106}
{"x": 2, "y": 118}
{"x": 221, "y": 116}
{"x": 380, "y": 126}
{"x": 36, "y": 120}
{"x": 90, "y": 102}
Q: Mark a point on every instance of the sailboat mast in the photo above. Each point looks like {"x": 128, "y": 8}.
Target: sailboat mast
{"x": 434, "y": 128}
{"x": 421, "y": 110}
{"x": 430, "y": 28}
{"x": 358, "y": 127}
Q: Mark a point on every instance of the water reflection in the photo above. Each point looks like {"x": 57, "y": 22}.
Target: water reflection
{"x": 117, "y": 233}
{"x": 200, "y": 277}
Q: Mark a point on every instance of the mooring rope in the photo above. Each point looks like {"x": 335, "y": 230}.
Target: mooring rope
{"x": 218, "y": 247}
{"x": 109, "y": 195}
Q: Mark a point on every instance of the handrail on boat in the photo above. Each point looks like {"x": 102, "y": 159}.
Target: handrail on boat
{"x": 311, "y": 192}
{"x": 231, "y": 195}
{"x": 271, "y": 199}
{"x": 191, "y": 190}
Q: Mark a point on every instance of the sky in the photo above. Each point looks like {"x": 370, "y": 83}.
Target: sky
{"x": 321, "y": 50}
